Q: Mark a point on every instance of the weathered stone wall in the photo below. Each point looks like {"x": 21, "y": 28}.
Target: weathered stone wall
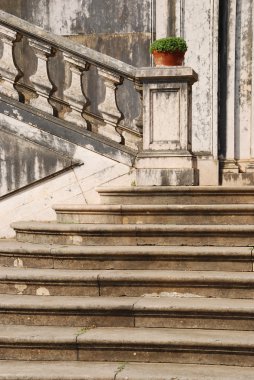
{"x": 220, "y": 40}
{"x": 124, "y": 29}
{"x": 76, "y": 185}
{"x": 219, "y": 35}
{"x": 42, "y": 163}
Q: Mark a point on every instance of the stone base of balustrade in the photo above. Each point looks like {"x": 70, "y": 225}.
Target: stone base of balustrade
{"x": 237, "y": 179}
{"x": 237, "y": 172}
{"x": 165, "y": 168}
{"x": 167, "y": 177}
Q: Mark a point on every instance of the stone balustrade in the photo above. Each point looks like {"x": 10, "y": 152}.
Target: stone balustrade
{"x": 54, "y": 75}
{"x": 49, "y": 73}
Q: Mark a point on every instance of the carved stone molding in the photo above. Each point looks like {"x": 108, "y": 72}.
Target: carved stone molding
{"x": 229, "y": 166}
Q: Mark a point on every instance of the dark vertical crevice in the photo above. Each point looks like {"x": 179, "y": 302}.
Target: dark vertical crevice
{"x": 238, "y": 43}
{"x": 152, "y": 25}
{"x": 222, "y": 78}
{"x": 171, "y": 27}
{"x": 153, "y": 20}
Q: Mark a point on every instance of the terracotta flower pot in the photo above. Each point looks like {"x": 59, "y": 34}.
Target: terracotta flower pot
{"x": 168, "y": 59}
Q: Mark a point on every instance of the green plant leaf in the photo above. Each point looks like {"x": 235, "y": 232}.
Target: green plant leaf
{"x": 169, "y": 44}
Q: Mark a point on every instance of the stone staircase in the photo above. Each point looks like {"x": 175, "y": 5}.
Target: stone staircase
{"x": 153, "y": 284}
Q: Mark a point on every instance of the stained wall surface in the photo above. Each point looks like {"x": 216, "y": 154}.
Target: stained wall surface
{"x": 121, "y": 28}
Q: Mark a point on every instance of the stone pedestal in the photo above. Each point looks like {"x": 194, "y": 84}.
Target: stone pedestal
{"x": 167, "y": 157}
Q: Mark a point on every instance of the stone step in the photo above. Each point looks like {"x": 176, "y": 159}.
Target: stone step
{"x": 125, "y": 282}
{"x": 122, "y": 344}
{"x": 172, "y": 310}
{"x": 74, "y": 370}
{"x": 176, "y": 195}
{"x": 131, "y": 234}
{"x": 172, "y": 214}
{"x": 18, "y": 254}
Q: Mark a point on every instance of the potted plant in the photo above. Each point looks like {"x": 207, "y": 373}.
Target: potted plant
{"x": 168, "y": 51}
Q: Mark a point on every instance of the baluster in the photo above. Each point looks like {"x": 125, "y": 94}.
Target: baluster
{"x": 8, "y": 71}
{"x": 108, "y": 107}
{"x": 138, "y": 121}
{"x": 73, "y": 94}
{"x": 133, "y": 137}
{"x": 40, "y": 78}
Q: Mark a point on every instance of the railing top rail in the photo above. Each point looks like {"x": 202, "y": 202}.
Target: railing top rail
{"x": 169, "y": 72}
{"x": 89, "y": 55}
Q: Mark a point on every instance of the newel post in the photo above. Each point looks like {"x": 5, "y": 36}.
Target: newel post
{"x": 167, "y": 158}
